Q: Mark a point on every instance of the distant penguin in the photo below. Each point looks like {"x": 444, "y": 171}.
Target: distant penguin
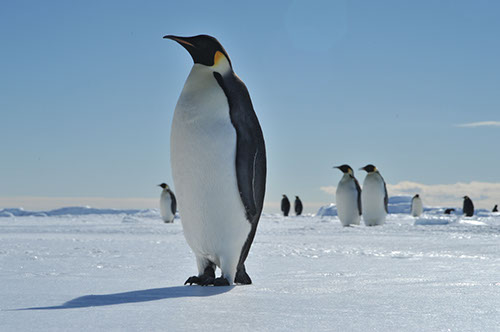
{"x": 448, "y": 211}
{"x": 285, "y": 206}
{"x": 468, "y": 207}
{"x": 348, "y": 197}
{"x": 495, "y": 208}
{"x": 168, "y": 204}
{"x": 374, "y": 197}
{"x": 218, "y": 158}
{"x": 417, "y": 207}
{"x": 298, "y": 206}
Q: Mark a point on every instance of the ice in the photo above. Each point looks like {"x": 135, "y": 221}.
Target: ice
{"x": 125, "y": 271}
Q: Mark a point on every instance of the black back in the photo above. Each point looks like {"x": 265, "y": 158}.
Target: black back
{"x": 386, "y": 197}
{"x": 173, "y": 204}
{"x": 298, "y": 207}
{"x": 468, "y": 207}
{"x": 285, "y": 206}
{"x": 358, "y": 188}
{"x": 250, "y": 152}
{"x": 495, "y": 208}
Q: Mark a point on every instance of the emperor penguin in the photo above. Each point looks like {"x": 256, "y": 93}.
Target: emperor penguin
{"x": 218, "y": 160}
{"x": 495, "y": 208}
{"x": 297, "y": 206}
{"x": 348, "y": 197}
{"x": 374, "y": 197}
{"x": 448, "y": 211}
{"x": 285, "y": 206}
{"x": 417, "y": 207}
{"x": 168, "y": 204}
{"x": 468, "y": 207}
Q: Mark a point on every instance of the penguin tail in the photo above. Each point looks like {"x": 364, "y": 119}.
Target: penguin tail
{"x": 241, "y": 276}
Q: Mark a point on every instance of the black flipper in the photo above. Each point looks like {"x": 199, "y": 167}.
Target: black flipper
{"x": 173, "y": 205}
{"x": 358, "y": 188}
{"x": 386, "y": 198}
{"x": 250, "y": 156}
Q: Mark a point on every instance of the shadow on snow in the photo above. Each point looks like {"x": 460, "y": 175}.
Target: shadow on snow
{"x": 146, "y": 295}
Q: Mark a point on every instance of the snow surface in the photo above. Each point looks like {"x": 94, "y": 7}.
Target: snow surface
{"x": 125, "y": 271}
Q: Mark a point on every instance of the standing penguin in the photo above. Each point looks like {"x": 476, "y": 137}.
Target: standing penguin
{"x": 218, "y": 159}
{"x": 297, "y": 205}
{"x": 374, "y": 197}
{"x": 348, "y": 197}
{"x": 168, "y": 204}
{"x": 285, "y": 205}
{"x": 468, "y": 207}
{"x": 495, "y": 208}
{"x": 417, "y": 208}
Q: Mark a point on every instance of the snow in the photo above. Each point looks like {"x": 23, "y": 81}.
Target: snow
{"x": 125, "y": 271}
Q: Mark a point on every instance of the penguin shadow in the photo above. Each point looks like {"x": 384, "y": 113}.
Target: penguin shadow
{"x": 147, "y": 295}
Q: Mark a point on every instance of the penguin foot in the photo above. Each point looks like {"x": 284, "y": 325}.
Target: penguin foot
{"x": 193, "y": 280}
{"x": 202, "y": 280}
{"x": 221, "y": 282}
{"x": 242, "y": 277}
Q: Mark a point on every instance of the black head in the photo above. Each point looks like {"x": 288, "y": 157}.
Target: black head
{"x": 416, "y": 195}
{"x": 345, "y": 169}
{"x": 204, "y": 49}
{"x": 163, "y": 185}
{"x": 296, "y": 197}
{"x": 466, "y": 197}
{"x": 284, "y": 196}
{"x": 369, "y": 168}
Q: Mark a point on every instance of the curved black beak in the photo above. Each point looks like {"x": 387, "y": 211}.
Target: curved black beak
{"x": 181, "y": 40}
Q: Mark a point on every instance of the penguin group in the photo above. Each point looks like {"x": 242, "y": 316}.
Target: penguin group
{"x": 219, "y": 169}
{"x": 353, "y": 202}
{"x": 285, "y": 206}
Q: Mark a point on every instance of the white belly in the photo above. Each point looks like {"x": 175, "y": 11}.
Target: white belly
{"x": 203, "y": 152}
{"x": 166, "y": 207}
{"x": 372, "y": 200}
{"x": 416, "y": 207}
{"x": 347, "y": 202}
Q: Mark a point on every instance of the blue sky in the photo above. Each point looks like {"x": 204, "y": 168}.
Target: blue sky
{"x": 88, "y": 90}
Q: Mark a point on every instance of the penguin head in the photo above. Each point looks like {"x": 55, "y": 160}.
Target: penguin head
{"x": 205, "y": 50}
{"x": 466, "y": 197}
{"x": 346, "y": 169}
{"x": 296, "y": 197}
{"x": 416, "y": 195}
{"x": 284, "y": 196}
{"x": 163, "y": 185}
{"x": 369, "y": 168}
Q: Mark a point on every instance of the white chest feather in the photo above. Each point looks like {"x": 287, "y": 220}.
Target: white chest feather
{"x": 372, "y": 199}
{"x": 417, "y": 207}
{"x": 203, "y": 152}
{"x": 347, "y": 201}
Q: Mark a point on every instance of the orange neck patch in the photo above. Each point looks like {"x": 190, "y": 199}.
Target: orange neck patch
{"x": 218, "y": 57}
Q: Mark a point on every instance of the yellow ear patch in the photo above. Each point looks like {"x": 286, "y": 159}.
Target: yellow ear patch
{"x": 218, "y": 57}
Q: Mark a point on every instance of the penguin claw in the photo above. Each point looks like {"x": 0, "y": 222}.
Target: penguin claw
{"x": 221, "y": 282}
{"x": 207, "y": 281}
{"x": 193, "y": 280}
{"x": 202, "y": 280}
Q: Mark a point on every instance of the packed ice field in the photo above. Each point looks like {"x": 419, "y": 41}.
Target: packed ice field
{"x": 94, "y": 269}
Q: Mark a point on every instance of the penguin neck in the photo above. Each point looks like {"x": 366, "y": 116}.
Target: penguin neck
{"x": 347, "y": 177}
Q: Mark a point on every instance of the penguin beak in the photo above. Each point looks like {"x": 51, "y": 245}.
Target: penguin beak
{"x": 180, "y": 40}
